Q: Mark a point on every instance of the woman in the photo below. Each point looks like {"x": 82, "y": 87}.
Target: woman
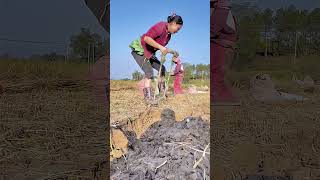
{"x": 144, "y": 49}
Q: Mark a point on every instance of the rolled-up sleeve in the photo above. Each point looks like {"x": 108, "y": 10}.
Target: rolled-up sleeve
{"x": 156, "y": 30}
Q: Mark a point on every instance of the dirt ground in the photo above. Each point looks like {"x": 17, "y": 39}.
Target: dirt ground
{"x": 169, "y": 149}
{"x": 270, "y": 140}
{"x": 154, "y": 131}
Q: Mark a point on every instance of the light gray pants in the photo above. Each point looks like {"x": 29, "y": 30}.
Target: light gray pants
{"x": 147, "y": 65}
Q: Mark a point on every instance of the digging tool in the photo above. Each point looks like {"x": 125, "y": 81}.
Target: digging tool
{"x": 167, "y": 81}
{"x": 162, "y": 61}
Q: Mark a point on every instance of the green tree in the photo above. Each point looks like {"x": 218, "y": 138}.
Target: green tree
{"x": 267, "y": 17}
{"x": 188, "y": 72}
{"x": 85, "y": 42}
{"x": 313, "y": 31}
{"x": 201, "y": 71}
{"x": 137, "y": 76}
{"x": 249, "y": 41}
{"x": 288, "y": 31}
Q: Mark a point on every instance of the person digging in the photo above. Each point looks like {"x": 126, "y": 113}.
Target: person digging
{"x": 144, "y": 50}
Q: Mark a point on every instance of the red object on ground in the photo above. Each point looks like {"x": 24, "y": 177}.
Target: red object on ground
{"x": 177, "y": 89}
{"x": 219, "y": 90}
{"x": 221, "y": 40}
{"x": 178, "y": 73}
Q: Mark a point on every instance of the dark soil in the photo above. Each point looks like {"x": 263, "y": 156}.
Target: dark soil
{"x": 159, "y": 154}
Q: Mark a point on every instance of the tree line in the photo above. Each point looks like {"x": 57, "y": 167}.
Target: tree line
{"x": 281, "y": 32}
{"x": 83, "y": 46}
{"x": 191, "y": 71}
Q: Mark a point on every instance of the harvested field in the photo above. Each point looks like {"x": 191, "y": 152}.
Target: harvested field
{"x": 274, "y": 140}
{"x": 156, "y": 133}
{"x": 268, "y": 139}
{"x": 51, "y": 125}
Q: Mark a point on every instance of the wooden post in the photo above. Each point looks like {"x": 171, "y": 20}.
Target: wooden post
{"x": 93, "y": 49}
{"x": 67, "y": 55}
{"x": 88, "y": 53}
{"x": 266, "y": 42}
{"x": 295, "y": 48}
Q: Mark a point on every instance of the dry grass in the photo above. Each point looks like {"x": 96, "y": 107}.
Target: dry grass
{"x": 257, "y": 138}
{"x": 126, "y": 103}
{"x": 281, "y": 70}
{"x": 277, "y": 139}
{"x": 51, "y": 127}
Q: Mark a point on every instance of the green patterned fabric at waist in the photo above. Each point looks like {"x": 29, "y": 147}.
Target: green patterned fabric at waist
{"x": 136, "y": 46}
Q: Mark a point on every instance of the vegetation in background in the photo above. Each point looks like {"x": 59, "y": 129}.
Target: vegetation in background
{"x": 192, "y": 73}
{"x": 84, "y": 46}
{"x": 80, "y": 43}
{"x": 282, "y": 32}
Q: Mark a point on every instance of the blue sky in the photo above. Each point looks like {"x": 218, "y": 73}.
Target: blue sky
{"x": 43, "y": 20}
{"x": 131, "y": 19}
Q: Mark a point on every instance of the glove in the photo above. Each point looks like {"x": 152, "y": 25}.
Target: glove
{"x": 173, "y": 52}
{"x": 176, "y": 60}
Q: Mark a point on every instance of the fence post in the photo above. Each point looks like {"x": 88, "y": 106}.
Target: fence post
{"x": 88, "y": 53}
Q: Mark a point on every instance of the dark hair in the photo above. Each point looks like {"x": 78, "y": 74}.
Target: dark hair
{"x": 213, "y": 3}
{"x": 175, "y": 18}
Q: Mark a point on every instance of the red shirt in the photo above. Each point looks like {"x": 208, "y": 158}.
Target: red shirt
{"x": 218, "y": 24}
{"x": 158, "y": 32}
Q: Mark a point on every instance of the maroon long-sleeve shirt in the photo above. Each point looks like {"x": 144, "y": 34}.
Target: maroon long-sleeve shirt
{"x": 220, "y": 31}
{"x": 158, "y": 32}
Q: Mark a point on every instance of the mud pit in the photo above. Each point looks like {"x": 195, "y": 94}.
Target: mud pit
{"x": 168, "y": 149}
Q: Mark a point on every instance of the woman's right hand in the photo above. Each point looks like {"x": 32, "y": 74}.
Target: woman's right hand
{"x": 164, "y": 50}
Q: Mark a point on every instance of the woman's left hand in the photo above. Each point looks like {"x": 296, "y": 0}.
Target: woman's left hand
{"x": 175, "y": 59}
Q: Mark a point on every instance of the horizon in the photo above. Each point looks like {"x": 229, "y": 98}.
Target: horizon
{"x": 53, "y": 22}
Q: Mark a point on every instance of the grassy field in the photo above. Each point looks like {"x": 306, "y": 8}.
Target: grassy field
{"x": 197, "y": 83}
{"x": 274, "y": 140}
{"x": 51, "y": 126}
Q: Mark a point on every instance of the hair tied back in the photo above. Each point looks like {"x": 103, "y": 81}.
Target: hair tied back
{"x": 173, "y": 15}
{"x": 175, "y": 18}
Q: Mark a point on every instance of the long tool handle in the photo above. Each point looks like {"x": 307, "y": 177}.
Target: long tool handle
{"x": 167, "y": 81}
{"x": 162, "y": 61}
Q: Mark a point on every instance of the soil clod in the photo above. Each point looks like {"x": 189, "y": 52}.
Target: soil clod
{"x": 167, "y": 150}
